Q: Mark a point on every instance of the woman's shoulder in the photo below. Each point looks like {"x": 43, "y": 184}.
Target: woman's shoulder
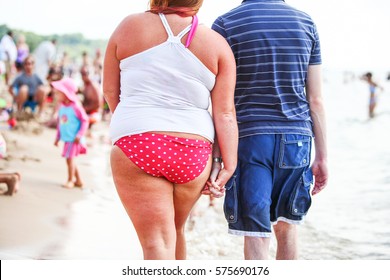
{"x": 131, "y": 24}
{"x": 203, "y": 29}
{"x": 210, "y": 34}
{"x": 210, "y": 37}
{"x": 133, "y": 20}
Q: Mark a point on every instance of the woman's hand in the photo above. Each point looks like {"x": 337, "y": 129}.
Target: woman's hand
{"x": 215, "y": 186}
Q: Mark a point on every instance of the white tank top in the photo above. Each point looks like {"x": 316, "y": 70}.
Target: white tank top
{"x": 164, "y": 88}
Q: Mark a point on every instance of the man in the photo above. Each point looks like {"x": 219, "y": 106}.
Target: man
{"x": 279, "y": 109}
{"x": 8, "y": 54}
{"x": 28, "y": 88}
{"x": 92, "y": 100}
{"x": 45, "y": 55}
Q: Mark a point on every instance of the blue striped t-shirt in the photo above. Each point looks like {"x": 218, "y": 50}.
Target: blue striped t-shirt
{"x": 273, "y": 44}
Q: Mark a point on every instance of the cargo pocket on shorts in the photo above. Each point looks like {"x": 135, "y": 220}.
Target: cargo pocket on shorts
{"x": 294, "y": 151}
{"x": 230, "y": 206}
{"x": 300, "y": 200}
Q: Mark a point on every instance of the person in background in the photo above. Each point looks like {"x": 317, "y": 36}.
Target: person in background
{"x": 66, "y": 65}
{"x": 27, "y": 89}
{"x": 157, "y": 80}
{"x": 55, "y": 74}
{"x": 279, "y": 109}
{"x": 23, "y": 52}
{"x": 97, "y": 67}
{"x": 373, "y": 93}
{"x": 8, "y": 54}
{"x": 71, "y": 128}
{"x": 92, "y": 100}
{"x": 11, "y": 179}
{"x": 45, "y": 56}
{"x": 85, "y": 60}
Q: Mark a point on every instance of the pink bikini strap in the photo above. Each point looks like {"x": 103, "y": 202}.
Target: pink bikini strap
{"x": 191, "y": 34}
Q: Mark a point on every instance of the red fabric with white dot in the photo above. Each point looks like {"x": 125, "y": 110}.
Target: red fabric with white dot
{"x": 179, "y": 160}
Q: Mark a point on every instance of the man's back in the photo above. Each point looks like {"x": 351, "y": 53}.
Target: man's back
{"x": 273, "y": 44}
{"x": 278, "y": 55}
{"x": 44, "y": 56}
{"x": 45, "y": 51}
{"x": 91, "y": 102}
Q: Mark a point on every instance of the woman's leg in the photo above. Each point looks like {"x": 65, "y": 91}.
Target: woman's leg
{"x": 185, "y": 197}
{"x": 372, "y": 105}
{"x": 148, "y": 201}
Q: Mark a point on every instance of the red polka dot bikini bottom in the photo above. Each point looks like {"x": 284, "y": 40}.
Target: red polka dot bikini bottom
{"x": 178, "y": 159}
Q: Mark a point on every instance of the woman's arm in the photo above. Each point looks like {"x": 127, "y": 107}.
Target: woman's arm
{"x": 224, "y": 113}
{"x": 111, "y": 74}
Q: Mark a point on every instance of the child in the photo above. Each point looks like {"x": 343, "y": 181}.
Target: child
{"x": 71, "y": 127}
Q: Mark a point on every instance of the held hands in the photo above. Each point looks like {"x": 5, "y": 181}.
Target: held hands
{"x": 215, "y": 186}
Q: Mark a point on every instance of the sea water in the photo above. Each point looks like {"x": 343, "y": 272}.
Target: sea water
{"x": 350, "y": 219}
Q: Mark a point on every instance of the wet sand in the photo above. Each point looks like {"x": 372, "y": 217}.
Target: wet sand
{"x": 40, "y": 221}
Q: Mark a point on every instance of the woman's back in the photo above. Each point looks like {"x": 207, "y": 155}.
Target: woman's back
{"x": 164, "y": 87}
{"x": 141, "y": 32}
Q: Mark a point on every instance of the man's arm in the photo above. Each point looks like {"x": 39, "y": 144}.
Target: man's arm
{"x": 317, "y": 111}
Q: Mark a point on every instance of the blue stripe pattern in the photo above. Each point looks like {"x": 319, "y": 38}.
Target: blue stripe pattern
{"x": 273, "y": 44}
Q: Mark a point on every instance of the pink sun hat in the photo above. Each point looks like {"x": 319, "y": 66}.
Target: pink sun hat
{"x": 68, "y": 87}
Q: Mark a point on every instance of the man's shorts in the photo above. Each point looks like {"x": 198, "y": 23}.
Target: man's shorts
{"x": 271, "y": 183}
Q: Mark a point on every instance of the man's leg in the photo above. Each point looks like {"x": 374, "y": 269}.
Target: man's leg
{"x": 287, "y": 239}
{"x": 256, "y": 248}
{"x": 22, "y": 97}
{"x": 248, "y": 195}
{"x": 40, "y": 97}
{"x": 291, "y": 193}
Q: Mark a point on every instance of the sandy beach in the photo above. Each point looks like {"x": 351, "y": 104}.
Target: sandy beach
{"x": 40, "y": 221}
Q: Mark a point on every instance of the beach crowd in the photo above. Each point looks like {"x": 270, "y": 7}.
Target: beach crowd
{"x": 27, "y": 93}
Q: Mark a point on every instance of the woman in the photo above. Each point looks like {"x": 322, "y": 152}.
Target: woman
{"x": 23, "y": 52}
{"x": 373, "y": 94}
{"x": 159, "y": 72}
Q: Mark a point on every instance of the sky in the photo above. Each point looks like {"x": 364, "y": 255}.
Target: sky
{"x": 354, "y": 33}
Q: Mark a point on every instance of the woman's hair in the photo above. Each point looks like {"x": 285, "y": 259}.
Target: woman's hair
{"x": 180, "y": 7}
